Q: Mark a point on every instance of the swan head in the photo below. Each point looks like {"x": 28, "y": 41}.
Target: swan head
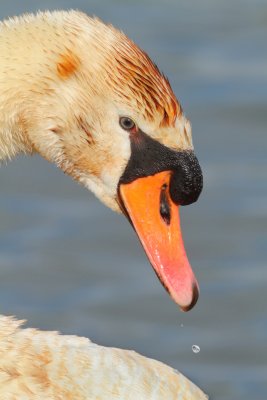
{"x": 116, "y": 126}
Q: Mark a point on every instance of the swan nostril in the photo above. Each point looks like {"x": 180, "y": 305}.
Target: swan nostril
{"x": 164, "y": 208}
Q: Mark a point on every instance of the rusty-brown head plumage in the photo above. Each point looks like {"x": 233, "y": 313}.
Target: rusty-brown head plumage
{"x": 133, "y": 76}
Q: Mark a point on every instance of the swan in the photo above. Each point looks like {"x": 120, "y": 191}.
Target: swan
{"x": 36, "y": 365}
{"x": 85, "y": 97}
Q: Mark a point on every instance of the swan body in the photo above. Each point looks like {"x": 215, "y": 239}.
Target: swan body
{"x": 37, "y": 365}
{"x": 85, "y": 97}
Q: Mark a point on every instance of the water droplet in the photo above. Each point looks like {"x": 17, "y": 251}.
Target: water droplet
{"x": 195, "y": 348}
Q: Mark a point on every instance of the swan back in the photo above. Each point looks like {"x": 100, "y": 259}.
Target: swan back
{"x": 36, "y": 365}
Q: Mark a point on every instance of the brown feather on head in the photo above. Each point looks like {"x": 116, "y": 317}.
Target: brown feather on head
{"x": 132, "y": 74}
{"x": 67, "y": 64}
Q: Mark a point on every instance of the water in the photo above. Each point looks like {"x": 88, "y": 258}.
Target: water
{"x": 67, "y": 263}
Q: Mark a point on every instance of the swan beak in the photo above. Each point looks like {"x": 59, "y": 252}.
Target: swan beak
{"x": 147, "y": 203}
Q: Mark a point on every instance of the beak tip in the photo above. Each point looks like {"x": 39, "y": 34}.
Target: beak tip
{"x": 195, "y": 296}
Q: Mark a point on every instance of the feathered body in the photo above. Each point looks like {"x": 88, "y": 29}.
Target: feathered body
{"x": 37, "y": 365}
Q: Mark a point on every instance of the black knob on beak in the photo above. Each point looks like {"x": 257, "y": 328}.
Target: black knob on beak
{"x": 186, "y": 181}
{"x": 148, "y": 157}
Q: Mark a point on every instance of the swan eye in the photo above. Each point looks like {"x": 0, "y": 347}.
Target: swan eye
{"x": 128, "y": 124}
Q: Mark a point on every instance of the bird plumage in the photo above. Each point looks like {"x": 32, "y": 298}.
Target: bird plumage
{"x": 65, "y": 79}
{"x": 36, "y": 365}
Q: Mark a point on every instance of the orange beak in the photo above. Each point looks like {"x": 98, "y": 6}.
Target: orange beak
{"x": 155, "y": 218}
